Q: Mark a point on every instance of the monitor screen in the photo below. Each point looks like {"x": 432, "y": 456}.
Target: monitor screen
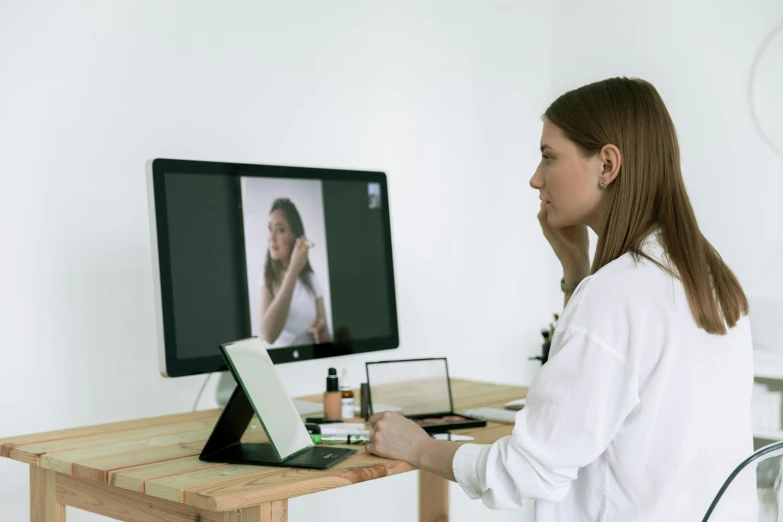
{"x": 299, "y": 257}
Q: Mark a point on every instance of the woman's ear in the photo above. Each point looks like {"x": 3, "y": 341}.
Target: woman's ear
{"x": 612, "y": 160}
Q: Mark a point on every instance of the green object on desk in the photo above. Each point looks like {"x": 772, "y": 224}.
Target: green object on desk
{"x": 339, "y": 439}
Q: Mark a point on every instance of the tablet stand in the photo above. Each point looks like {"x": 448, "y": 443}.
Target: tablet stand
{"x": 224, "y": 444}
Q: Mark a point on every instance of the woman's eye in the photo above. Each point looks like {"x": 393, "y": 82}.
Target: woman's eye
{"x": 547, "y": 159}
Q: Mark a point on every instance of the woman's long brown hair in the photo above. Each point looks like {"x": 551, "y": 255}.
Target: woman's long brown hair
{"x": 649, "y": 193}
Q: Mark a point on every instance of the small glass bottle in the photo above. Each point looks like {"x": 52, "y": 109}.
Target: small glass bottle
{"x": 332, "y": 405}
{"x": 347, "y": 398}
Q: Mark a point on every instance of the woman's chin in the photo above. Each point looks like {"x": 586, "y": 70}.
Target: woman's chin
{"x": 556, "y": 221}
{"x": 553, "y": 221}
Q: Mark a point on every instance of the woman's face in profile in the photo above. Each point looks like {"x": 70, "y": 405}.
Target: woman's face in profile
{"x": 280, "y": 237}
{"x": 566, "y": 179}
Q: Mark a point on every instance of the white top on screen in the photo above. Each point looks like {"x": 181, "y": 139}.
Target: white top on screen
{"x": 301, "y": 315}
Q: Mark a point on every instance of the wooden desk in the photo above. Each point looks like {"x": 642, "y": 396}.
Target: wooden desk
{"x": 148, "y": 469}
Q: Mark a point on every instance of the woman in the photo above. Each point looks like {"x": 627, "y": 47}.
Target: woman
{"x": 292, "y": 305}
{"x": 643, "y": 408}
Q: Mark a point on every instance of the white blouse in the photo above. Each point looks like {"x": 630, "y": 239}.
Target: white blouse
{"x": 638, "y": 415}
{"x": 301, "y": 314}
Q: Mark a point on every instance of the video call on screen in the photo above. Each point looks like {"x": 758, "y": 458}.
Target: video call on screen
{"x": 216, "y": 271}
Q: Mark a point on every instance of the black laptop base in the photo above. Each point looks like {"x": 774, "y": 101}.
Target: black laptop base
{"x": 224, "y": 443}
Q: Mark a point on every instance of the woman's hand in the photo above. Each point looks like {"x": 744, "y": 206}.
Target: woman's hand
{"x": 398, "y": 438}
{"x": 571, "y": 245}
{"x": 299, "y": 255}
{"x": 320, "y": 331}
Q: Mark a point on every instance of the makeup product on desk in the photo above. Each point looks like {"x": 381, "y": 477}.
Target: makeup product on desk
{"x": 454, "y": 437}
{"x": 322, "y": 420}
{"x": 332, "y": 398}
{"x": 343, "y": 429}
{"x": 347, "y": 433}
{"x": 420, "y": 390}
{"x": 516, "y": 404}
{"x": 346, "y": 398}
{"x": 340, "y": 439}
{"x": 340, "y": 428}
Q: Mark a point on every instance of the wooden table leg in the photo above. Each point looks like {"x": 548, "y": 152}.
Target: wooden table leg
{"x": 43, "y": 496}
{"x": 433, "y": 498}
{"x": 276, "y": 511}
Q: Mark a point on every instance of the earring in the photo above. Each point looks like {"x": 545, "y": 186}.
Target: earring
{"x": 603, "y": 184}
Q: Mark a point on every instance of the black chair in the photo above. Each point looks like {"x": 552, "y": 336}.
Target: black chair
{"x": 767, "y": 465}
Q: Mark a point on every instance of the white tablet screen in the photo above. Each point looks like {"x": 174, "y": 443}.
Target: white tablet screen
{"x": 257, "y": 375}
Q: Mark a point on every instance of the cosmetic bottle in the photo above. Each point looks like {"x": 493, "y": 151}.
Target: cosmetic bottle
{"x": 346, "y": 396}
{"x": 332, "y": 404}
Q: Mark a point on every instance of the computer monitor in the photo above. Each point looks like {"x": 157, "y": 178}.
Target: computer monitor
{"x": 299, "y": 257}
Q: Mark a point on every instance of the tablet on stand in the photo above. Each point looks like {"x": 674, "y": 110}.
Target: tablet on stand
{"x": 260, "y": 391}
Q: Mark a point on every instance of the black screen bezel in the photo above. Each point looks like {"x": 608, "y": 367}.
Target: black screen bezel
{"x": 178, "y": 367}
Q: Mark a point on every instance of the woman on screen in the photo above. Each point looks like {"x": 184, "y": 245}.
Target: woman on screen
{"x": 292, "y": 304}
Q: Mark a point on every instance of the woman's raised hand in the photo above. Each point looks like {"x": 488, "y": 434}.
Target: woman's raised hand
{"x": 571, "y": 245}
{"x": 299, "y": 255}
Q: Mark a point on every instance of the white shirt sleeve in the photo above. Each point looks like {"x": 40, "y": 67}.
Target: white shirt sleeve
{"x": 575, "y": 406}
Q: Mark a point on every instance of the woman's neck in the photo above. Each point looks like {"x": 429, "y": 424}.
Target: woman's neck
{"x": 596, "y": 221}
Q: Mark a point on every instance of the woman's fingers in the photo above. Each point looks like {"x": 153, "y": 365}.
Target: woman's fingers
{"x": 378, "y": 416}
{"x": 303, "y": 242}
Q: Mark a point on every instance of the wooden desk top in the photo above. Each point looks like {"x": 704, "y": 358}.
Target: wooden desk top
{"x": 158, "y": 456}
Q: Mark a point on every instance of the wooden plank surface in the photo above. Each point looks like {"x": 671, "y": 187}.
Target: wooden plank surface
{"x": 94, "y": 463}
{"x": 135, "y": 478}
{"x": 286, "y": 483}
{"x": 158, "y": 457}
{"x": 8, "y": 443}
{"x": 111, "y": 442}
{"x": 173, "y": 487}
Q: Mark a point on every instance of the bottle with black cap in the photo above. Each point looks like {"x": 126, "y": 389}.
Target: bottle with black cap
{"x": 332, "y": 397}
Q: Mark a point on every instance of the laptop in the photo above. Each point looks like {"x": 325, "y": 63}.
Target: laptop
{"x": 261, "y": 391}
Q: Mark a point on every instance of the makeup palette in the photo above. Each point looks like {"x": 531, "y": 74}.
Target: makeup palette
{"x": 419, "y": 389}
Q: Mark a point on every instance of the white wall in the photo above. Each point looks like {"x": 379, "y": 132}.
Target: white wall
{"x": 444, "y": 96}
{"x": 699, "y": 55}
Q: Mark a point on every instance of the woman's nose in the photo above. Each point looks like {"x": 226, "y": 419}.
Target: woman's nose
{"x": 536, "y": 181}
